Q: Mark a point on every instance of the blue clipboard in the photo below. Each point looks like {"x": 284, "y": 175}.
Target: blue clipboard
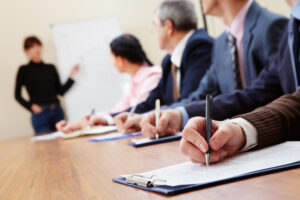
{"x": 155, "y": 141}
{"x": 172, "y": 190}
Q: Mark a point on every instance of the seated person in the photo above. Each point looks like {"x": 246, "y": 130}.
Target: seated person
{"x": 43, "y": 85}
{"x": 129, "y": 57}
{"x": 274, "y": 123}
{"x": 189, "y": 55}
{"x": 240, "y": 52}
{"x": 281, "y": 77}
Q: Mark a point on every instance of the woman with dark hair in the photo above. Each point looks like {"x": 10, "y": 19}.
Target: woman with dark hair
{"x": 43, "y": 85}
{"x": 129, "y": 57}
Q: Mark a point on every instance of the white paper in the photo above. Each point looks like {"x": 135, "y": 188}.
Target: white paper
{"x": 50, "y": 136}
{"x": 99, "y": 130}
{"x": 192, "y": 173}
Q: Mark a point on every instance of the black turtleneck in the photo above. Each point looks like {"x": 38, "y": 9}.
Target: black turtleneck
{"x": 42, "y": 83}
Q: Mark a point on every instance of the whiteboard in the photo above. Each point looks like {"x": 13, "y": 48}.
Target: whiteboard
{"x": 98, "y": 84}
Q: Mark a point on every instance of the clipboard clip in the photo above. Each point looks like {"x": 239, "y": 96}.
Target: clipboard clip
{"x": 143, "y": 180}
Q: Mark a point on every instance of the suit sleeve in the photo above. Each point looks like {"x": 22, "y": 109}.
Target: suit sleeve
{"x": 277, "y": 122}
{"x": 61, "y": 88}
{"x": 264, "y": 89}
{"x": 18, "y": 89}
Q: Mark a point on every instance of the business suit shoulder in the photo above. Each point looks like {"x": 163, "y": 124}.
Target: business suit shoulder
{"x": 200, "y": 40}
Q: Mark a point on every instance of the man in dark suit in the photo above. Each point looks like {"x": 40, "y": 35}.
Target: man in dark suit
{"x": 277, "y": 122}
{"x": 281, "y": 77}
{"x": 249, "y": 27}
{"x": 189, "y": 53}
{"x": 189, "y": 56}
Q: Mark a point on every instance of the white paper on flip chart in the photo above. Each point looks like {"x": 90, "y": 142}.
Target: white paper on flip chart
{"x": 192, "y": 173}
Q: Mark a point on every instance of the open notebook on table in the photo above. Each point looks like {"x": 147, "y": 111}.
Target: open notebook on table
{"x": 96, "y": 130}
{"x": 148, "y": 141}
{"x": 189, "y": 176}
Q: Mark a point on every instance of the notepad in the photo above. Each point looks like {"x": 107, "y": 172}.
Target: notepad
{"x": 149, "y": 141}
{"x": 188, "y": 176}
{"x": 96, "y": 130}
{"x": 91, "y": 131}
{"x": 114, "y": 136}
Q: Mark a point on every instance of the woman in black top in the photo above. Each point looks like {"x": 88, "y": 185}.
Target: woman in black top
{"x": 42, "y": 84}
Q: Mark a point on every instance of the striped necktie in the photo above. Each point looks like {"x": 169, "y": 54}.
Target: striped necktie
{"x": 175, "y": 86}
{"x": 235, "y": 61}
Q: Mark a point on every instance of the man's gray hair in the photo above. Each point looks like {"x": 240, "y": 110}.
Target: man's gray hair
{"x": 180, "y": 12}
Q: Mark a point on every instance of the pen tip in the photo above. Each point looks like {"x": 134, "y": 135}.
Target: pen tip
{"x": 207, "y": 159}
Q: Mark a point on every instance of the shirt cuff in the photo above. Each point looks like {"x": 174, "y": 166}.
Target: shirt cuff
{"x": 185, "y": 116}
{"x": 250, "y": 133}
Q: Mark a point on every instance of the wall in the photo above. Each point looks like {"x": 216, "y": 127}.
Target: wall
{"x": 21, "y": 18}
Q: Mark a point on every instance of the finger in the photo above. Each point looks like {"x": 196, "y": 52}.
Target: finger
{"x": 164, "y": 125}
{"x": 130, "y": 130}
{"x": 133, "y": 122}
{"x": 119, "y": 120}
{"x": 191, "y": 151}
{"x": 59, "y": 125}
{"x": 148, "y": 125}
{"x": 221, "y": 154}
{"x": 220, "y": 138}
{"x": 194, "y": 137}
{"x": 67, "y": 128}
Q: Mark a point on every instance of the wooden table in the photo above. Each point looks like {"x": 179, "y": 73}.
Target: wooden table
{"x": 76, "y": 169}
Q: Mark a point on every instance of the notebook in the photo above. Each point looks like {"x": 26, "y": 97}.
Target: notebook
{"x": 92, "y": 131}
{"x": 189, "y": 176}
{"x": 96, "y": 130}
{"x": 148, "y": 141}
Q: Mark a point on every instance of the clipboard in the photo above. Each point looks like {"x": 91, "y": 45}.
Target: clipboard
{"x": 190, "y": 176}
{"x": 147, "y": 141}
{"x": 172, "y": 190}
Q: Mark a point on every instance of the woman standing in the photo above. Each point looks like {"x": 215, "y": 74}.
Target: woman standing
{"x": 42, "y": 83}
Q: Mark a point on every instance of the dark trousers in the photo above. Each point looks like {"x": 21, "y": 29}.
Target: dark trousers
{"x": 46, "y": 120}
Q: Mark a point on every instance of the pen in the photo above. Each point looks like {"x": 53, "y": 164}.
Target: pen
{"x": 91, "y": 115}
{"x": 157, "y": 113}
{"x": 208, "y": 121}
{"x": 129, "y": 116}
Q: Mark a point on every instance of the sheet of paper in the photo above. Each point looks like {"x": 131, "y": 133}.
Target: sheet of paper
{"x": 50, "y": 136}
{"x": 145, "y": 140}
{"x": 113, "y": 136}
{"x": 191, "y": 173}
{"x": 99, "y": 130}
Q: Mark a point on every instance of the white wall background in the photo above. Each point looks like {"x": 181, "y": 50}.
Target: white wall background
{"x": 20, "y": 18}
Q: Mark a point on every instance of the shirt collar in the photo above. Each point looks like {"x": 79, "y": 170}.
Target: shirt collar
{"x": 178, "y": 51}
{"x": 296, "y": 10}
{"x": 237, "y": 26}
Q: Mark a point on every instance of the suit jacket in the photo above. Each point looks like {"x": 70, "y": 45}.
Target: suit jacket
{"x": 275, "y": 80}
{"x": 196, "y": 59}
{"x": 261, "y": 29}
{"x": 277, "y": 122}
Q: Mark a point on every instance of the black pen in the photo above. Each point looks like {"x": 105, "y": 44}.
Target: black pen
{"x": 208, "y": 121}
